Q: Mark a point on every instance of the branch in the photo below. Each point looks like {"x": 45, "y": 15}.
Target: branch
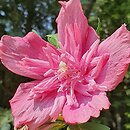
{"x": 88, "y": 7}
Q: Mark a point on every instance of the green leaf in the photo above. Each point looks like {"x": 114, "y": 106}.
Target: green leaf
{"x": 5, "y": 127}
{"x": 128, "y": 92}
{"x": 89, "y": 126}
{"x": 35, "y": 31}
{"x": 83, "y": 1}
{"x": 68, "y": 128}
{"x": 5, "y": 118}
{"x": 53, "y": 39}
{"x": 53, "y": 126}
{"x": 98, "y": 30}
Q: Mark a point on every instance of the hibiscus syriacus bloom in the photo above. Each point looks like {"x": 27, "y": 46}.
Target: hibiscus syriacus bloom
{"x": 71, "y": 80}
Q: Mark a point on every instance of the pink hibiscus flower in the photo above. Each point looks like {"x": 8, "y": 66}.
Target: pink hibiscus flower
{"x": 71, "y": 80}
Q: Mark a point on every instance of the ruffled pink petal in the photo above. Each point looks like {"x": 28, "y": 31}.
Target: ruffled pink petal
{"x": 25, "y": 56}
{"x": 74, "y": 33}
{"x": 89, "y": 106}
{"x": 118, "y": 48}
{"x": 98, "y": 102}
{"x": 58, "y": 105}
{"x": 34, "y": 112}
{"x": 81, "y": 114}
{"x": 100, "y": 64}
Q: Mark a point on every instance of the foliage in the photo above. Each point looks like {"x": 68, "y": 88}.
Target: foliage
{"x": 58, "y": 125}
{"x": 5, "y": 119}
{"x": 112, "y": 14}
{"x": 88, "y": 126}
{"x": 17, "y": 17}
{"x": 21, "y": 16}
{"x": 53, "y": 39}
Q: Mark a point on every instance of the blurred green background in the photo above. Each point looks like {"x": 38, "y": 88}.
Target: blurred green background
{"x": 17, "y": 17}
